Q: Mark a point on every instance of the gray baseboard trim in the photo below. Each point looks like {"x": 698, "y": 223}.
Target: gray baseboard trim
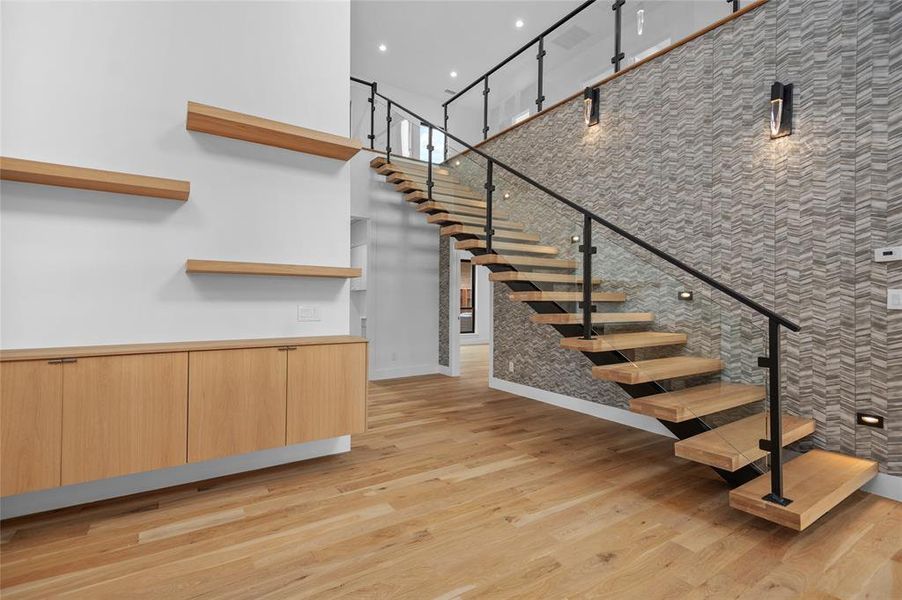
{"x": 594, "y": 409}
{"x": 92, "y": 491}
{"x": 409, "y": 371}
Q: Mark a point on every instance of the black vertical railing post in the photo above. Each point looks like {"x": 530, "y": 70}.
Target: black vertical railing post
{"x": 429, "y": 149}
{"x": 485, "y": 108}
{"x": 540, "y": 98}
{"x": 735, "y": 4}
{"x": 489, "y": 188}
{"x": 388, "y": 132}
{"x": 588, "y": 250}
{"x": 445, "y": 127}
{"x": 618, "y": 54}
{"x": 775, "y": 444}
{"x": 372, "y": 135}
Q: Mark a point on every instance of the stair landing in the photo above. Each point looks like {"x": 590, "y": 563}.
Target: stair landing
{"x": 815, "y": 482}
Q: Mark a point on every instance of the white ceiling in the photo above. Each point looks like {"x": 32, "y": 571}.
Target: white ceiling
{"x": 426, "y": 39}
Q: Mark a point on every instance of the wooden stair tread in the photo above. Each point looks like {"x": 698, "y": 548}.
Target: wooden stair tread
{"x": 539, "y": 277}
{"x": 509, "y": 246}
{"x": 43, "y": 173}
{"x": 526, "y": 261}
{"x": 402, "y": 163}
{"x": 479, "y": 232}
{"x": 442, "y": 218}
{"x": 597, "y": 318}
{"x": 543, "y": 296}
{"x": 438, "y": 190}
{"x": 240, "y": 126}
{"x": 815, "y": 482}
{"x": 697, "y": 401}
{"x": 418, "y": 197}
{"x": 656, "y": 369}
{"x": 734, "y": 445}
{"x": 422, "y": 180}
{"x": 443, "y": 206}
{"x": 624, "y": 341}
{"x": 437, "y": 172}
{"x": 230, "y": 267}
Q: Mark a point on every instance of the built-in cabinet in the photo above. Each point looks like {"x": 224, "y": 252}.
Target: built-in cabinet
{"x": 31, "y": 421}
{"x": 326, "y": 391}
{"x": 236, "y": 402}
{"x": 74, "y": 418}
{"x": 123, "y": 415}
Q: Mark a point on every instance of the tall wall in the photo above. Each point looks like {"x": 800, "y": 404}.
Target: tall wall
{"x": 682, "y": 158}
{"x": 402, "y": 279}
{"x": 105, "y": 85}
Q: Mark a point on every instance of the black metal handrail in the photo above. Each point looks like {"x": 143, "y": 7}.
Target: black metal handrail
{"x": 616, "y": 60}
{"x": 738, "y": 296}
{"x": 521, "y": 50}
{"x": 775, "y": 321}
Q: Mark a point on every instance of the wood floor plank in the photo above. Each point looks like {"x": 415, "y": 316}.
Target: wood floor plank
{"x": 457, "y": 490}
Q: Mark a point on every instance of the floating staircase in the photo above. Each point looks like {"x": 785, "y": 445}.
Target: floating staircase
{"x": 814, "y": 482}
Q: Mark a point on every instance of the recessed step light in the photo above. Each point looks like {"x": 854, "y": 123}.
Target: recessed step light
{"x": 382, "y": 48}
{"x": 518, "y": 23}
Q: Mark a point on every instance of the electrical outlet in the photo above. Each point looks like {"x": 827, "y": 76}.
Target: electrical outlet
{"x": 510, "y": 366}
{"x": 894, "y": 299}
{"x": 394, "y": 356}
{"x": 307, "y": 314}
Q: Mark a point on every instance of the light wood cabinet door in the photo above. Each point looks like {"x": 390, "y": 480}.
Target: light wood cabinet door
{"x": 31, "y": 410}
{"x": 124, "y": 414}
{"x": 236, "y": 402}
{"x": 326, "y": 391}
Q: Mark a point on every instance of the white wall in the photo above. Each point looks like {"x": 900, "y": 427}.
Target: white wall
{"x": 402, "y": 294}
{"x": 105, "y": 84}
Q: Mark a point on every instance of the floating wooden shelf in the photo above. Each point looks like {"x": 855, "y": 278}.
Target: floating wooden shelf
{"x": 32, "y": 171}
{"x": 228, "y": 267}
{"x": 239, "y": 126}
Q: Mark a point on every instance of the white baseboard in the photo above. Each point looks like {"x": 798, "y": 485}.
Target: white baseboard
{"x": 888, "y": 486}
{"x": 443, "y": 370}
{"x": 92, "y": 491}
{"x": 594, "y": 409}
{"x": 406, "y": 371}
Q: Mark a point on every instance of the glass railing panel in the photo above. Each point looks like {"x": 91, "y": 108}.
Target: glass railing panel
{"x": 359, "y": 113}
{"x": 513, "y": 88}
{"x": 532, "y": 231}
{"x": 465, "y": 114}
{"x": 579, "y": 52}
{"x": 649, "y": 26}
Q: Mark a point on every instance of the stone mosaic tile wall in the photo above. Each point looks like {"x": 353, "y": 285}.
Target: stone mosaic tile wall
{"x": 683, "y": 159}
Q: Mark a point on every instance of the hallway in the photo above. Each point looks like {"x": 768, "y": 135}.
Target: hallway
{"x": 456, "y": 490}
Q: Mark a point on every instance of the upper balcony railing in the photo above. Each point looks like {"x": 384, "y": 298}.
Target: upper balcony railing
{"x": 588, "y": 44}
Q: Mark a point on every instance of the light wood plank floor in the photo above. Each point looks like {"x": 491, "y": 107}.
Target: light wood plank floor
{"x": 457, "y": 491}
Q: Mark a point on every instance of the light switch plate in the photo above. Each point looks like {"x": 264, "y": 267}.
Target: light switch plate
{"x": 307, "y": 314}
{"x": 894, "y": 299}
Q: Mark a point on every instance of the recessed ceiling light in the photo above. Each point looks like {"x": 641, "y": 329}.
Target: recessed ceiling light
{"x": 519, "y": 23}
{"x": 382, "y": 48}
{"x": 453, "y": 74}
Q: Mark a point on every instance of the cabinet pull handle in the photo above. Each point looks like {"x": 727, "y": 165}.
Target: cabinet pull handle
{"x": 68, "y": 361}
{"x": 57, "y": 361}
{"x": 287, "y": 348}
